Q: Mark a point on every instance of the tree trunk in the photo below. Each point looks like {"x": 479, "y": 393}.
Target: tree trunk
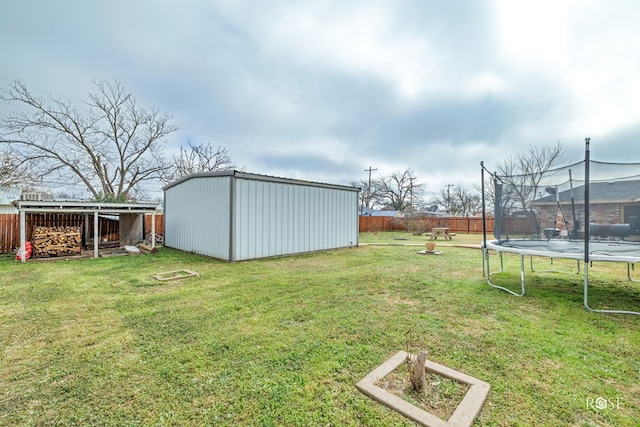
{"x": 417, "y": 371}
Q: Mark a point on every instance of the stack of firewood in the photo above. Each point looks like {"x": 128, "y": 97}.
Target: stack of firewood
{"x": 55, "y": 241}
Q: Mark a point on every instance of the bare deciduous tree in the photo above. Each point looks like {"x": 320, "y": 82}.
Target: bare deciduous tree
{"x": 13, "y": 170}
{"x": 524, "y": 171}
{"x": 195, "y": 158}
{"x": 365, "y": 198}
{"x": 518, "y": 179}
{"x": 398, "y": 191}
{"x": 460, "y": 200}
{"x": 110, "y": 149}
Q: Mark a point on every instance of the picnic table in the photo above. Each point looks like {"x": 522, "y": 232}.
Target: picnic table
{"x": 440, "y": 232}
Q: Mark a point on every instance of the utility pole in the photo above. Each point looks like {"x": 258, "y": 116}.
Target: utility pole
{"x": 411, "y": 193}
{"x": 368, "y": 199}
{"x": 449, "y": 197}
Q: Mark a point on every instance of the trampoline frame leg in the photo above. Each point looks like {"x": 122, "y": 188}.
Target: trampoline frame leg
{"x": 489, "y": 273}
{"x": 522, "y": 282}
{"x": 630, "y": 267}
{"x": 586, "y": 295}
{"x": 550, "y": 271}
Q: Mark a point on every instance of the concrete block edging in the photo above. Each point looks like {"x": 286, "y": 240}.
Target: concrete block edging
{"x": 463, "y": 416}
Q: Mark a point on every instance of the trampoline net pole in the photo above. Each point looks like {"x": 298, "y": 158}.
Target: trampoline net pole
{"x": 586, "y": 222}
{"x": 484, "y": 222}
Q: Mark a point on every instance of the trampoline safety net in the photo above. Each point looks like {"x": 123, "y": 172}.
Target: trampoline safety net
{"x": 550, "y": 204}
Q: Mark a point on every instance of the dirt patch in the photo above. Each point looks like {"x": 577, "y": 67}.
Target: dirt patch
{"x": 440, "y": 397}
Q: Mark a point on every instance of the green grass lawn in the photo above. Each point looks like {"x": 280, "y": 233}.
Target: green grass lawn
{"x": 402, "y": 238}
{"x": 282, "y": 341}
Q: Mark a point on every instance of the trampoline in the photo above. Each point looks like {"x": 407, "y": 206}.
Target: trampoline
{"x": 543, "y": 214}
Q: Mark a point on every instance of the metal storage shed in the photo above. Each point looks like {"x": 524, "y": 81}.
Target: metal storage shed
{"x": 236, "y": 216}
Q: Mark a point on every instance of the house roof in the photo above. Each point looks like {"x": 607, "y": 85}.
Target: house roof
{"x": 599, "y": 192}
{"x": 385, "y": 213}
{"x": 9, "y": 194}
{"x": 373, "y": 212}
{"x": 428, "y": 213}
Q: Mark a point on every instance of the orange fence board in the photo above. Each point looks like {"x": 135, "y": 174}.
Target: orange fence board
{"x": 468, "y": 225}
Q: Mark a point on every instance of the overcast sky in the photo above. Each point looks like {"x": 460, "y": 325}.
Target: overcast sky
{"x": 322, "y": 90}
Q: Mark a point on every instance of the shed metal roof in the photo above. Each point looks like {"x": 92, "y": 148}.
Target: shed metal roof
{"x": 258, "y": 177}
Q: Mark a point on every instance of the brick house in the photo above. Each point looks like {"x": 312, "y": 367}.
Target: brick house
{"x": 610, "y": 203}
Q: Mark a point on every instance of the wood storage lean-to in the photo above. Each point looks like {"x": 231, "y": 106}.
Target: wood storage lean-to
{"x": 237, "y": 216}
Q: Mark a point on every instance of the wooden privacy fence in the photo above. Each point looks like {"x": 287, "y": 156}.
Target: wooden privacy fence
{"x": 378, "y": 223}
{"x": 9, "y": 232}
{"x": 108, "y": 226}
{"x": 148, "y": 220}
{"x": 469, "y": 225}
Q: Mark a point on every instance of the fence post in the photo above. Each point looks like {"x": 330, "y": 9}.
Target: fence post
{"x": 23, "y": 232}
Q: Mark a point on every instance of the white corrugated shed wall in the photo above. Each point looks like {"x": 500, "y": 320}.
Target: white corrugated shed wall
{"x": 276, "y": 218}
{"x": 197, "y": 216}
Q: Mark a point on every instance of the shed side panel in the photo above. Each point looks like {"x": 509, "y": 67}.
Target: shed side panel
{"x": 197, "y": 216}
{"x": 278, "y": 219}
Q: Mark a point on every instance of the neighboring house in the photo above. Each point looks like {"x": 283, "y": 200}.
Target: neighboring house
{"x": 615, "y": 202}
{"x": 431, "y": 211}
{"x": 391, "y": 214}
{"x": 373, "y": 212}
{"x": 7, "y": 196}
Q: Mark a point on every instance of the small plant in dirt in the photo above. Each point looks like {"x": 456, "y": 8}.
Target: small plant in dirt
{"x": 416, "y": 366}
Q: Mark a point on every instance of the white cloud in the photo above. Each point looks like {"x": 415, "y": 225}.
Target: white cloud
{"x": 328, "y": 88}
{"x": 586, "y": 50}
{"x": 362, "y": 39}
